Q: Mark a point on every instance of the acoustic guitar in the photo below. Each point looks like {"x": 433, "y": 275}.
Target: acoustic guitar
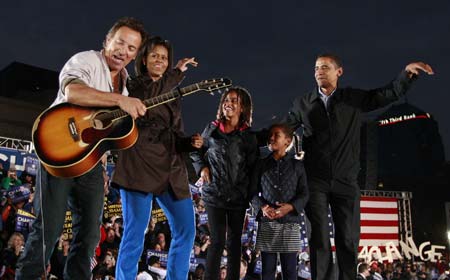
{"x": 70, "y": 140}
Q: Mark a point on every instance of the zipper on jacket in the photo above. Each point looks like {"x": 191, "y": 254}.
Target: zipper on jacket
{"x": 331, "y": 135}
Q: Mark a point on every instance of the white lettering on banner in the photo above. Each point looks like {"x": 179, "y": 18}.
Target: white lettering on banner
{"x": 24, "y": 220}
{"x": 375, "y": 251}
{"x": 391, "y": 251}
{"x": 408, "y": 248}
{"x": 13, "y": 159}
{"x": 412, "y": 116}
{"x": 430, "y": 255}
{"x": 408, "y": 117}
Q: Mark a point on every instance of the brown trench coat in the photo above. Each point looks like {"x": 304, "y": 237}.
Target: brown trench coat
{"x": 155, "y": 164}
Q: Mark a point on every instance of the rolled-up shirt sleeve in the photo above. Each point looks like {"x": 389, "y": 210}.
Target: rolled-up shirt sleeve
{"x": 79, "y": 69}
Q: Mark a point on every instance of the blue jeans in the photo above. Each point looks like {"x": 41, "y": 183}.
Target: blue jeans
{"x": 136, "y": 210}
{"x": 84, "y": 197}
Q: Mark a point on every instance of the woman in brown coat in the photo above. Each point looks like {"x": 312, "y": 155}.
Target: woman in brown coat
{"x": 154, "y": 166}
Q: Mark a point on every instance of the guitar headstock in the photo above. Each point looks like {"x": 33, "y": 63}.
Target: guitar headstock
{"x": 212, "y": 85}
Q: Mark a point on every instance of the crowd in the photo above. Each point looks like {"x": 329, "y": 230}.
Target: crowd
{"x": 157, "y": 241}
{"x": 16, "y": 195}
{"x": 404, "y": 270}
{"x": 157, "y": 236}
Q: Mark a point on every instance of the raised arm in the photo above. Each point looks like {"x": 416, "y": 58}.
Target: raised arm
{"x": 369, "y": 100}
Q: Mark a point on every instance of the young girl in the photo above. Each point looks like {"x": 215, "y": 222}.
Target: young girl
{"x": 281, "y": 197}
{"x": 225, "y": 165}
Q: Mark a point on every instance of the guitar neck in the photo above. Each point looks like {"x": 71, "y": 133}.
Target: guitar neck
{"x": 160, "y": 99}
{"x": 170, "y": 96}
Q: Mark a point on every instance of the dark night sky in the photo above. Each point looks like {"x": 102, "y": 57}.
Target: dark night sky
{"x": 267, "y": 47}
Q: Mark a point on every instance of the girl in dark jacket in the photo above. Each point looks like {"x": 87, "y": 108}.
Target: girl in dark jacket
{"x": 281, "y": 197}
{"x": 225, "y": 165}
{"x": 154, "y": 166}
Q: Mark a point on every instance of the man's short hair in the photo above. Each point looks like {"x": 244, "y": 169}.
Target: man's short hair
{"x": 337, "y": 60}
{"x": 129, "y": 22}
{"x": 152, "y": 260}
{"x": 363, "y": 267}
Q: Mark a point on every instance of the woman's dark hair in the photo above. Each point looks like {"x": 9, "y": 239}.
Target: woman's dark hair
{"x": 139, "y": 66}
{"x": 246, "y": 104}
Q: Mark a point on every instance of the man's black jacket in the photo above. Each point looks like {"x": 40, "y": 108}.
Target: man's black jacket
{"x": 331, "y": 136}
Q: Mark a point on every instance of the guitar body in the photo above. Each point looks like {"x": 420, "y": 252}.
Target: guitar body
{"x": 70, "y": 140}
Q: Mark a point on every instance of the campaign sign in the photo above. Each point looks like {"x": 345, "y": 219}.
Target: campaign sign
{"x": 244, "y": 238}
{"x": 158, "y": 213}
{"x": 31, "y": 165}
{"x": 67, "y": 229}
{"x": 202, "y": 218}
{"x": 194, "y": 262}
{"x": 112, "y": 210}
{"x": 251, "y": 223}
{"x": 15, "y": 157}
{"x": 194, "y": 189}
{"x": 24, "y": 220}
{"x": 258, "y": 266}
{"x": 161, "y": 254}
{"x": 19, "y": 193}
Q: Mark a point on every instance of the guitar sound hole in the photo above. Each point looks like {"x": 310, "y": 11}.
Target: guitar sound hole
{"x": 101, "y": 121}
{"x": 98, "y": 124}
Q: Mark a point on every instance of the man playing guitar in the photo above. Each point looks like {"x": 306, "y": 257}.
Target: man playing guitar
{"x": 87, "y": 79}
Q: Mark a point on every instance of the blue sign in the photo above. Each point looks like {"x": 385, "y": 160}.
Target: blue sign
{"x": 24, "y": 221}
{"x": 19, "y": 193}
{"x": 202, "y": 218}
{"x": 162, "y": 255}
{"x": 31, "y": 165}
{"x": 258, "y": 266}
{"x": 251, "y": 223}
{"x": 23, "y": 161}
{"x": 194, "y": 262}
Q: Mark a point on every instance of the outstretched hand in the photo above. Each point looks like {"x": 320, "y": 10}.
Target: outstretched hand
{"x": 183, "y": 63}
{"x": 416, "y": 67}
